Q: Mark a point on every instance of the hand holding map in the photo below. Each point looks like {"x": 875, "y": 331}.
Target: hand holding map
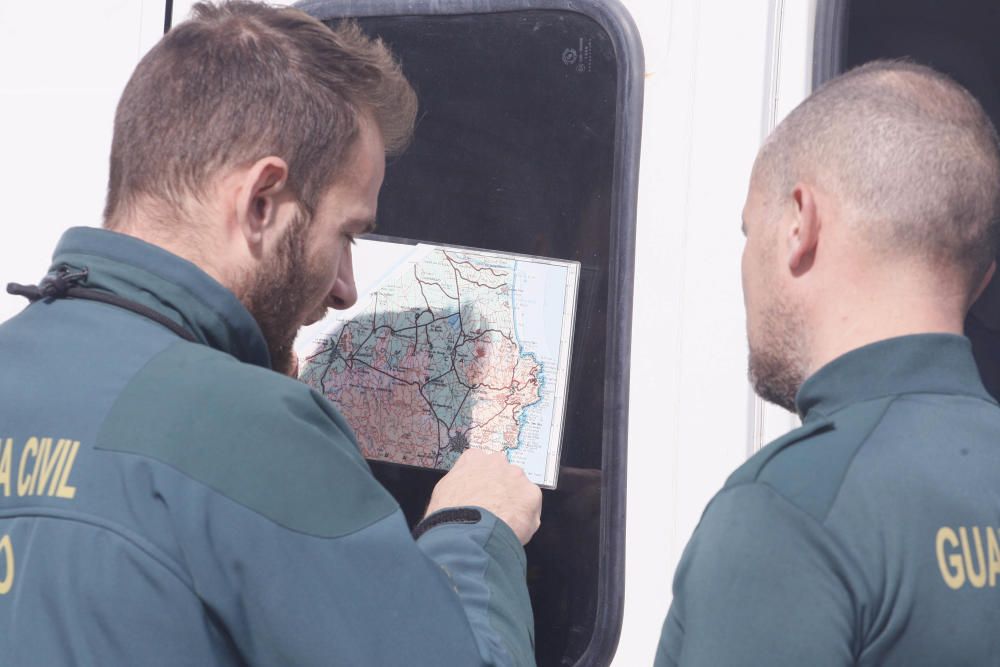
{"x": 486, "y": 480}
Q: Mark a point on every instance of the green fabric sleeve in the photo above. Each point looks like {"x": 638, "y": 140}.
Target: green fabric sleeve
{"x": 486, "y": 564}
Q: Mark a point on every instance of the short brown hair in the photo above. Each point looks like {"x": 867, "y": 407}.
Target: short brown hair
{"x": 909, "y": 151}
{"x": 240, "y": 81}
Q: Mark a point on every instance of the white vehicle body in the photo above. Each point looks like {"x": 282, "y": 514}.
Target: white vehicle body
{"x": 720, "y": 73}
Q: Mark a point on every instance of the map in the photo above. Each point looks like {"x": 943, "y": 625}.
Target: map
{"x": 446, "y": 349}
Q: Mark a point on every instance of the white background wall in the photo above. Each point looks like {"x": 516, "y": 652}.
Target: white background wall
{"x": 710, "y": 81}
{"x": 64, "y": 64}
{"x": 688, "y": 402}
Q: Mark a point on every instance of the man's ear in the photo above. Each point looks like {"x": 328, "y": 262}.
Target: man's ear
{"x": 257, "y": 198}
{"x": 803, "y": 232}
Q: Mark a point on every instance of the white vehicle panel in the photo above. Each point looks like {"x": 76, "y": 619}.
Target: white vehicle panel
{"x": 719, "y": 74}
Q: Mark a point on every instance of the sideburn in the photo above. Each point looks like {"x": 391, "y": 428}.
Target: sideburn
{"x": 276, "y": 295}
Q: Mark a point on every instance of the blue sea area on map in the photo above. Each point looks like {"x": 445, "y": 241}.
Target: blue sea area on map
{"x": 538, "y": 300}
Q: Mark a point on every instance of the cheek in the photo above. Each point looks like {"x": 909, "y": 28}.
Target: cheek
{"x": 753, "y": 288}
{"x": 323, "y": 267}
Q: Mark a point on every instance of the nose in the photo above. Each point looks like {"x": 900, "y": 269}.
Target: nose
{"x": 344, "y": 293}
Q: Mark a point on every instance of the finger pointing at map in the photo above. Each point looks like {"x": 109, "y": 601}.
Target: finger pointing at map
{"x": 485, "y": 479}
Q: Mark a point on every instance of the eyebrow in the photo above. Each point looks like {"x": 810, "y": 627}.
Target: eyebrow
{"x": 743, "y": 226}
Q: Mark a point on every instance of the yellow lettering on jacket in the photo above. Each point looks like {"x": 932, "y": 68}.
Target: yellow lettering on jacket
{"x": 25, "y": 483}
{"x": 994, "y": 549}
{"x": 46, "y": 464}
{"x": 6, "y": 452}
{"x": 951, "y": 569}
{"x": 65, "y": 490}
{"x": 42, "y": 468}
{"x": 7, "y": 558}
{"x": 964, "y": 559}
{"x": 977, "y": 577}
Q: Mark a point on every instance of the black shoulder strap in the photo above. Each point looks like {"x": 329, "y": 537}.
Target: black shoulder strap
{"x": 65, "y": 284}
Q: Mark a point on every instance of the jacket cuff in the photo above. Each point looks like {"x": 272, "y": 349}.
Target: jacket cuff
{"x": 460, "y": 515}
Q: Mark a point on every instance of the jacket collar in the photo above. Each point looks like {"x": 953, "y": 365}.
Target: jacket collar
{"x": 147, "y": 274}
{"x": 923, "y": 363}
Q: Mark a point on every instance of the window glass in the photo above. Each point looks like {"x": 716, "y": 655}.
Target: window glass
{"x": 515, "y": 151}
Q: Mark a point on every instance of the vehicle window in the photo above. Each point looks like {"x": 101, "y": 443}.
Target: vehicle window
{"x": 517, "y": 149}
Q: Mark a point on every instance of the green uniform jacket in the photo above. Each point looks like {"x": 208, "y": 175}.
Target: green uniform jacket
{"x": 866, "y": 537}
{"x": 164, "y": 502}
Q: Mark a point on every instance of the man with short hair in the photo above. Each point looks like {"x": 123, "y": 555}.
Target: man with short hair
{"x": 869, "y": 535}
{"x": 166, "y": 498}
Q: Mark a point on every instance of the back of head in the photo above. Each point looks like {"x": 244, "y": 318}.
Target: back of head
{"x": 909, "y": 154}
{"x": 240, "y": 81}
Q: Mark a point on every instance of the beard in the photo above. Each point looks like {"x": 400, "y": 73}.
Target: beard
{"x": 777, "y": 367}
{"x": 278, "y": 295}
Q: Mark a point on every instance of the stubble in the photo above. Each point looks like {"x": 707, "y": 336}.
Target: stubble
{"x": 778, "y": 364}
{"x": 277, "y": 295}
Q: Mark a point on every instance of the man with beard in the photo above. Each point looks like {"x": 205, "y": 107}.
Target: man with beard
{"x": 869, "y": 535}
{"x": 166, "y": 498}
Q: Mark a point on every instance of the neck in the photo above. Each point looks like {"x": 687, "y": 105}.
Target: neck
{"x": 864, "y": 314}
{"x": 176, "y": 236}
